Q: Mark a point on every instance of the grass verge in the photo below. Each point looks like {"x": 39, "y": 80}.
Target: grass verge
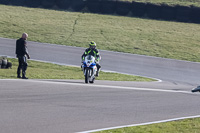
{"x": 39, "y": 70}
{"x": 180, "y": 126}
{"x": 115, "y": 33}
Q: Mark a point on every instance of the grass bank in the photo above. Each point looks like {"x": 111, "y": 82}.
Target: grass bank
{"x": 116, "y": 33}
{"x": 180, "y": 126}
{"x": 40, "y": 70}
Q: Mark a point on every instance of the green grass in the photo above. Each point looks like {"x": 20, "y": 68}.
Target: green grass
{"x": 171, "y": 2}
{"x": 181, "y": 126}
{"x": 116, "y": 33}
{"x": 40, "y": 70}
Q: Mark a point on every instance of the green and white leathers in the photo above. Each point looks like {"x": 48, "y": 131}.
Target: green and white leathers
{"x": 92, "y": 51}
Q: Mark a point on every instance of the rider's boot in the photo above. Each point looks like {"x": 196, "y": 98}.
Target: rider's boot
{"x": 97, "y": 73}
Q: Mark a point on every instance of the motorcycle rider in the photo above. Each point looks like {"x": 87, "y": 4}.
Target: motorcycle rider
{"x": 94, "y": 52}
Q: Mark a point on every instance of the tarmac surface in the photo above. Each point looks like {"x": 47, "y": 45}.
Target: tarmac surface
{"x": 50, "y": 106}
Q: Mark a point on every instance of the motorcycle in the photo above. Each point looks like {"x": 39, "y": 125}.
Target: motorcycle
{"x": 89, "y": 69}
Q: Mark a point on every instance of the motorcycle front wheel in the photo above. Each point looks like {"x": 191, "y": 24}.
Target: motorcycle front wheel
{"x": 87, "y": 75}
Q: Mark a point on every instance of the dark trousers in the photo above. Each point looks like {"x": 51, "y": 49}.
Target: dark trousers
{"x": 98, "y": 66}
{"x": 22, "y": 65}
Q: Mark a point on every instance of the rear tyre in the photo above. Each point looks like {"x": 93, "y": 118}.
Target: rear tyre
{"x": 92, "y": 81}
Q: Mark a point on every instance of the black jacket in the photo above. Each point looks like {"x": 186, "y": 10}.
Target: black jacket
{"x": 21, "y": 48}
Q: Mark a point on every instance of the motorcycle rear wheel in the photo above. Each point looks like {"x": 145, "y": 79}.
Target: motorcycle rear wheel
{"x": 92, "y": 81}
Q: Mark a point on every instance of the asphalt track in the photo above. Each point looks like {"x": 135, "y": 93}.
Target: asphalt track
{"x": 50, "y": 106}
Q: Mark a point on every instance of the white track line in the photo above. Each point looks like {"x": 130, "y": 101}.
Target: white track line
{"x": 140, "y": 124}
{"x": 101, "y": 86}
{"x": 116, "y": 87}
{"x": 158, "y": 80}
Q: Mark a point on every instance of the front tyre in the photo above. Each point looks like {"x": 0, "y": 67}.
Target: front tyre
{"x": 87, "y": 74}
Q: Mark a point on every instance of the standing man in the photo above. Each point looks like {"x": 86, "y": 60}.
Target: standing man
{"x": 22, "y": 54}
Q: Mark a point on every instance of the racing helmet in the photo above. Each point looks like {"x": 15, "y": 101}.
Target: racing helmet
{"x": 92, "y": 45}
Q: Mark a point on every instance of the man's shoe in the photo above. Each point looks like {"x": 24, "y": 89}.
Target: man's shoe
{"x": 19, "y": 77}
{"x": 24, "y": 78}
